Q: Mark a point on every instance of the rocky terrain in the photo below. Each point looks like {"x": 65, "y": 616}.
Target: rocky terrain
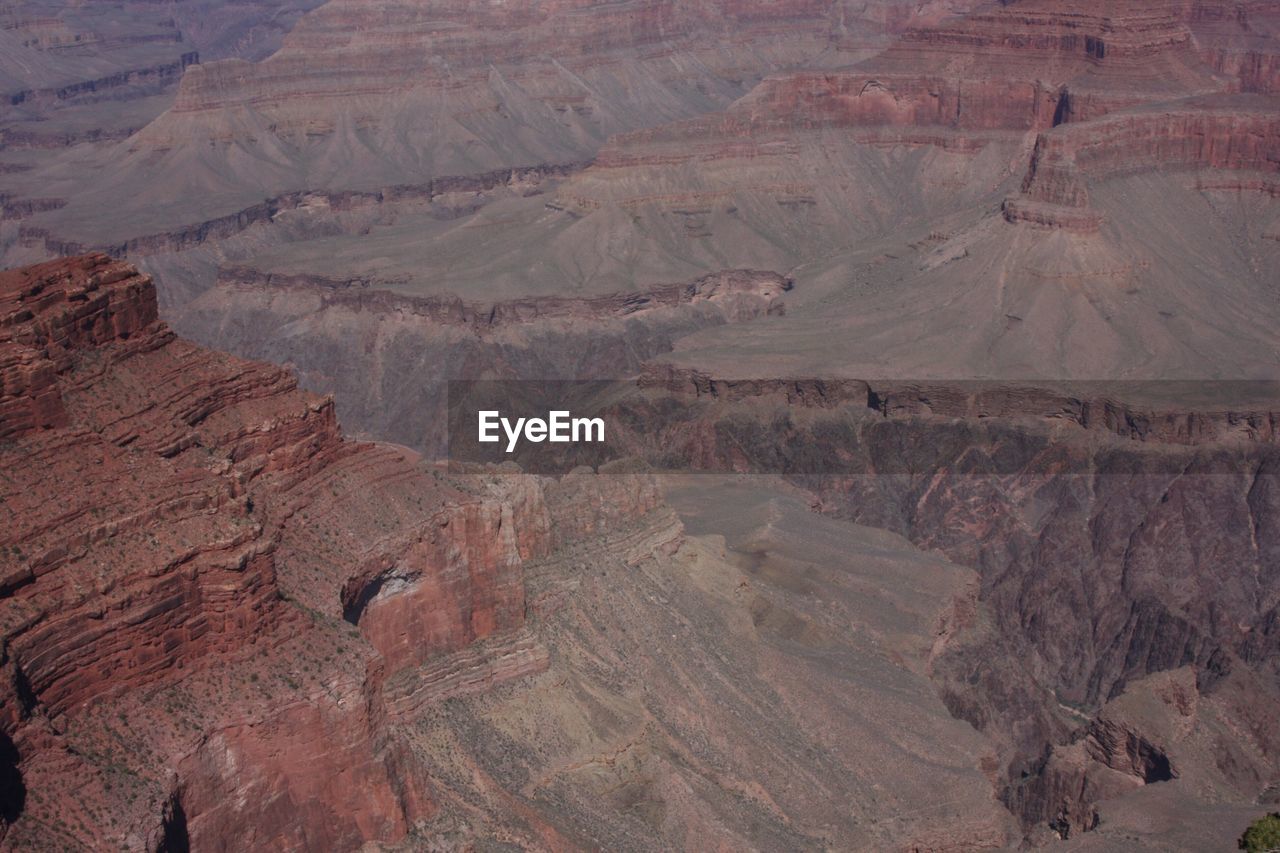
{"x": 532, "y": 337}
{"x": 360, "y": 98}
{"x": 170, "y": 647}
{"x": 234, "y": 604}
{"x": 1086, "y": 193}
{"x": 1115, "y": 542}
{"x": 966, "y": 311}
{"x": 74, "y": 73}
{"x": 234, "y": 627}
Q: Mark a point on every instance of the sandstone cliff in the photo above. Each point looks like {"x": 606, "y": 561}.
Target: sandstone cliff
{"x": 205, "y": 587}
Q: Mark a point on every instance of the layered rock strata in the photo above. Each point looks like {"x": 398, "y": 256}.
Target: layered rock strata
{"x": 534, "y": 337}
{"x": 1116, "y": 543}
{"x": 445, "y": 89}
{"x": 205, "y": 587}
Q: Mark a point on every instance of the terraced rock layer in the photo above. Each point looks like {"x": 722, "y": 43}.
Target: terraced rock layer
{"x": 1117, "y": 543}
{"x": 528, "y": 337}
{"x": 181, "y": 539}
{"x": 359, "y": 98}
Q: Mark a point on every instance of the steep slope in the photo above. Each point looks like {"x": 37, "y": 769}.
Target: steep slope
{"x": 1126, "y": 539}
{"x": 747, "y": 687}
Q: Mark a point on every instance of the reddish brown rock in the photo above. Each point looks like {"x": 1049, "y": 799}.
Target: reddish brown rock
{"x": 1064, "y": 159}
{"x": 1238, "y": 39}
{"x": 1084, "y": 78}
{"x": 184, "y": 535}
{"x": 391, "y": 49}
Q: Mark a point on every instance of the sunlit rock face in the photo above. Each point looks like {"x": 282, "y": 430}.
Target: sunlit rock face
{"x": 181, "y": 528}
{"x": 968, "y": 618}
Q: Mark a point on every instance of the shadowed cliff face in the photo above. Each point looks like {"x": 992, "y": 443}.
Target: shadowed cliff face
{"x": 729, "y": 688}
{"x": 438, "y": 337}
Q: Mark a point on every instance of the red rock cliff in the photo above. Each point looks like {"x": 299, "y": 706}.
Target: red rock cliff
{"x": 204, "y": 588}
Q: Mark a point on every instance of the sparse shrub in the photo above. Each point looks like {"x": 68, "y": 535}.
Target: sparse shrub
{"x": 1263, "y": 835}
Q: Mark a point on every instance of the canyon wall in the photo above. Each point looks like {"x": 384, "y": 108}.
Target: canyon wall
{"x": 1115, "y": 541}
{"x": 447, "y": 337}
{"x": 187, "y": 578}
{"x": 1066, "y": 159}
{"x": 223, "y": 623}
{"x": 1031, "y": 188}
{"x": 231, "y": 583}
{"x": 542, "y": 83}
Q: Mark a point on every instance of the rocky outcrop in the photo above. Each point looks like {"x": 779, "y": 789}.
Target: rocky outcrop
{"x": 219, "y": 619}
{"x": 1076, "y": 32}
{"x": 677, "y": 661}
{"x": 434, "y": 192}
{"x": 740, "y": 294}
{"x": 184, "y": 534}
{"x": 1071, "y": 218}
{"x": 1066, "y": 158}
{"x": 1167, "y": 729}
{"x": 873, "y": 107}
{"x": 1161, "y": 412}
{"x": 1061, "y": 791}
{"x": 26, "y": 207}
{"x": 883, "y": 107}
{"x": 47, "y": 316}
{"x": 533, "y": 337}
{"x": 135, "y": 80}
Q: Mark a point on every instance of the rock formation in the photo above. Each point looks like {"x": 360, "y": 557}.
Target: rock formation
{"x": 224, "y": 624}
{"x": 1117, "y": 543}
{"x": 441, "y": 89}
{"x": 593, "y": 335}
{"x": 182, "y": 548}
{"x": 984, "y": 293}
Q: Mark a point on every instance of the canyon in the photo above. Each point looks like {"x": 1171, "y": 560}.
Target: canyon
{"x": 581, "y": 660}
{"x": 234, "y": 605}
{"x": 943, "y": 482}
